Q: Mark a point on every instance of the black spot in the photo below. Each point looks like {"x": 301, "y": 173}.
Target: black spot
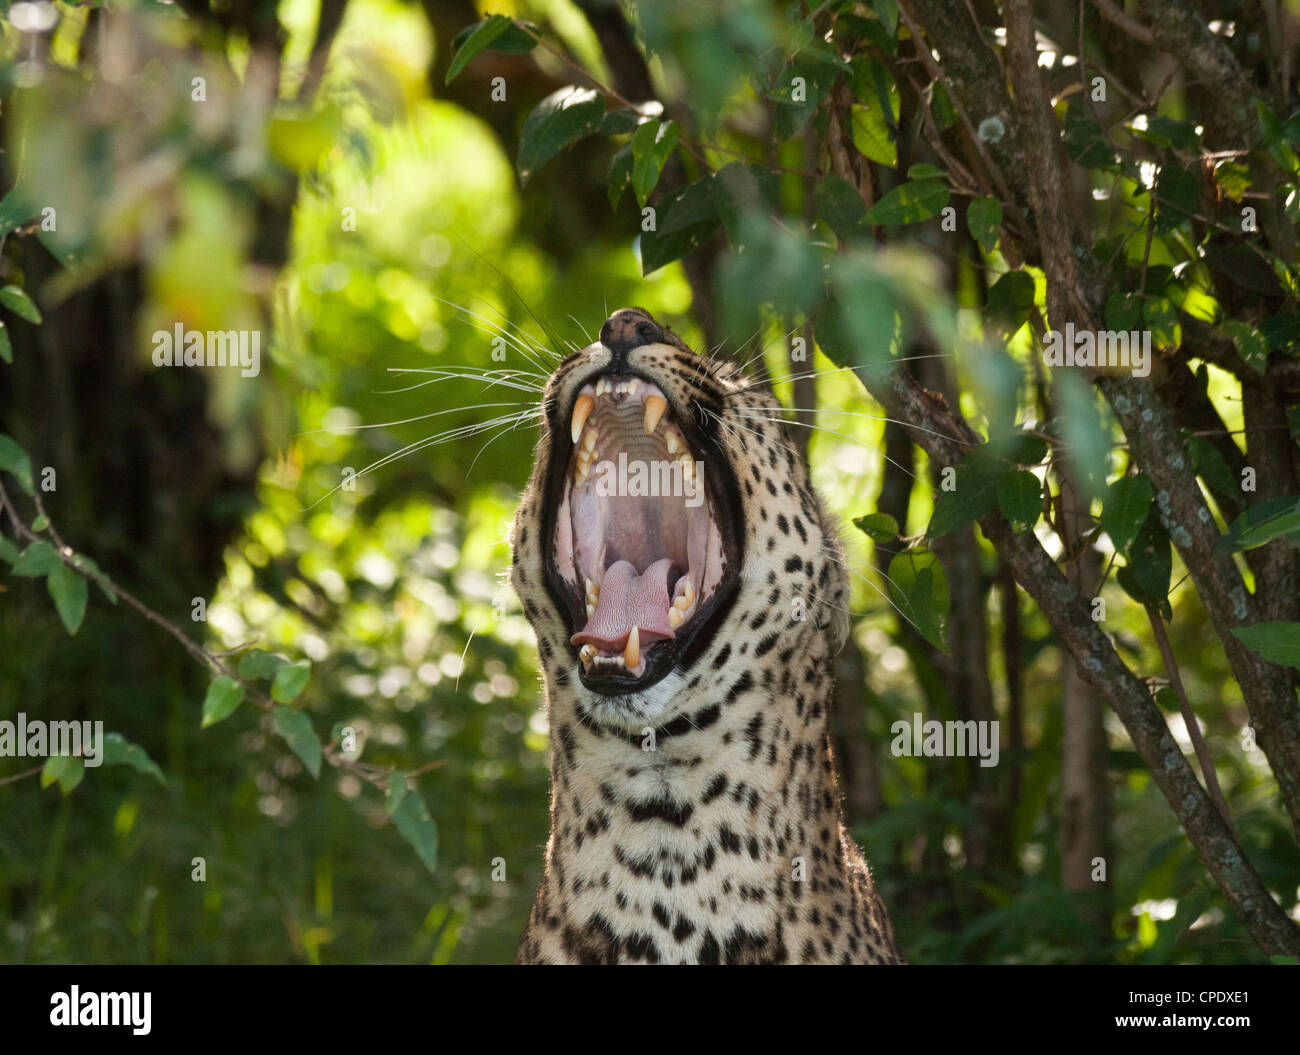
{"x": 716, "y": 787}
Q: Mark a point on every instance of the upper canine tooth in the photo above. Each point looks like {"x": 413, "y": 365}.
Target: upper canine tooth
{"x": 654, "y": 410}
{"x": 582, "y": 408}
{"x": 632, "y": 653}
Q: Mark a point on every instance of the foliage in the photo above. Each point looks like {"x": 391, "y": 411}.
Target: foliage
{"x": 365, "y": 751}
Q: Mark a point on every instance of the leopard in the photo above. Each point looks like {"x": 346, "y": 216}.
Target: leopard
{"x": 689, "y": 593}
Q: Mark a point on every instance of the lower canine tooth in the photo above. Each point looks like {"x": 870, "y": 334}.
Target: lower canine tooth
{"x": 591, "y": 609}
{"x": 587, "y": 653}
{"x": 654, "y": 411}
{"x": 675, "y": 617}
{"x": 632, "y": 653}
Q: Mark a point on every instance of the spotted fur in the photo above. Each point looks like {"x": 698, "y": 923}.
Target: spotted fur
{"x": 725, "y": 843}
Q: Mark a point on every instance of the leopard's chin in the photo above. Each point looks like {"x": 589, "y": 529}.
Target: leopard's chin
{"x": 642, "y": 513}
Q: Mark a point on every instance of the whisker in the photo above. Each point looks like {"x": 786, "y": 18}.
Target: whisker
{"x": 446, "y": 375}
{"x": 873, "y": 417}
{"x": 405, "y": 421}
{"x": 432, "y": 441}
{"x": 851, "y": 439}
{"x": 501, "y": 331}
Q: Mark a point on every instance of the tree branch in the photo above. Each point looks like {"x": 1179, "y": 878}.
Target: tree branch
{"x": 1068, "y": 613}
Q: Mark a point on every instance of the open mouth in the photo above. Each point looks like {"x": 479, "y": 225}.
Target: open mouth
{"x": 643, "y": 552}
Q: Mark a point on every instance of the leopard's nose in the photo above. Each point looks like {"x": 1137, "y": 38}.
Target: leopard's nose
{"x": 626, "y": 329}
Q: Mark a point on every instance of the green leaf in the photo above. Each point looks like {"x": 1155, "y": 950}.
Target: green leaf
{"x": 1276, "y": 642}
{"x": 477, "y": 38}
{"x": 685, "y": 220}
{"x": 1020, "y": 497}
{"x": 13, "y": 459}
{"x": 984, "y": 218}
{"x": 119, "y": 751}
{"x": 8, "y": 551}
{"x": 739, "y": 191}
{"x": 1150, "y": 562}
{"x": 15, "y": 210}
{"x": 838, "y": 202}
{"x": 1261, "y": 524}
{"x": 295, "y": 728}
{"x": 973, "y": 493}
{"x": 920, "y": 589}
{"x": 1249, "y": 342}
{"x": 37, "y": 559}
{"x": 1011, "y": 299}
{"x": 873, "y": 136}
{"x": 40, "y": 523}
{"x": 1243, "y": 266}
{"x": 6, "y": 348}
{"x": 411, "y": 817}
{"x": 620, "y": 122}
{"x": 1083, "y": 140}
{"x": 101, "y": 580}
{"x": 912, "y": 202}
{"x": 260, "y": 664}
{"x": 290, "y": 680}
{"x": 879, "y": 527}
{"x": 1282, "y": 960}
{"x": 1161, "y": 317}
{"x": 887, "y": 12}
{"x": 559, "y": 120}
{"x": 857, "y": 327}
{"x": 1024, "y": 449}
{"x": 1124, "y": 509}
{"x": 1210, "y": 466}
{"x": 1234, "y": 179}
{"x": 620, "y": 174}
{"x": 941, "y": 108}
{"x": 925, "y": 171}
{"x": 1123, "y": 312}
{"x": 68, "y": 770}
{"x": 224, "y": 695}
{"x": 300, "y": 137}
{"x": 652, "y": 145}
{"x": 1167, "y": 132}
{"x": 69, "y": 591}
{"x": 15, "y": 298}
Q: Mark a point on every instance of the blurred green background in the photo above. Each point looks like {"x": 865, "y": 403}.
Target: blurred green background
{"x": 369, "y": 221}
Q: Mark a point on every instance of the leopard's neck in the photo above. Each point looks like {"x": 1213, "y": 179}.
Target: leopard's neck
{"x": 718, "y": 837}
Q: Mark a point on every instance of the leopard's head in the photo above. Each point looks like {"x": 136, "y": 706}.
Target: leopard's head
{"x": 669, "y": 536}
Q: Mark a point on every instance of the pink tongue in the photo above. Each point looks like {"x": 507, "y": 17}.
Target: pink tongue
{"x": 626, "y": 600}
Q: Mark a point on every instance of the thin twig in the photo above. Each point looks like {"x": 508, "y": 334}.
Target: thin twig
{"x": 1189, "y": 717}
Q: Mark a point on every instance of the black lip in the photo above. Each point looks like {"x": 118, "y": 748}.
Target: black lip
{"x": 723, "y": 492}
